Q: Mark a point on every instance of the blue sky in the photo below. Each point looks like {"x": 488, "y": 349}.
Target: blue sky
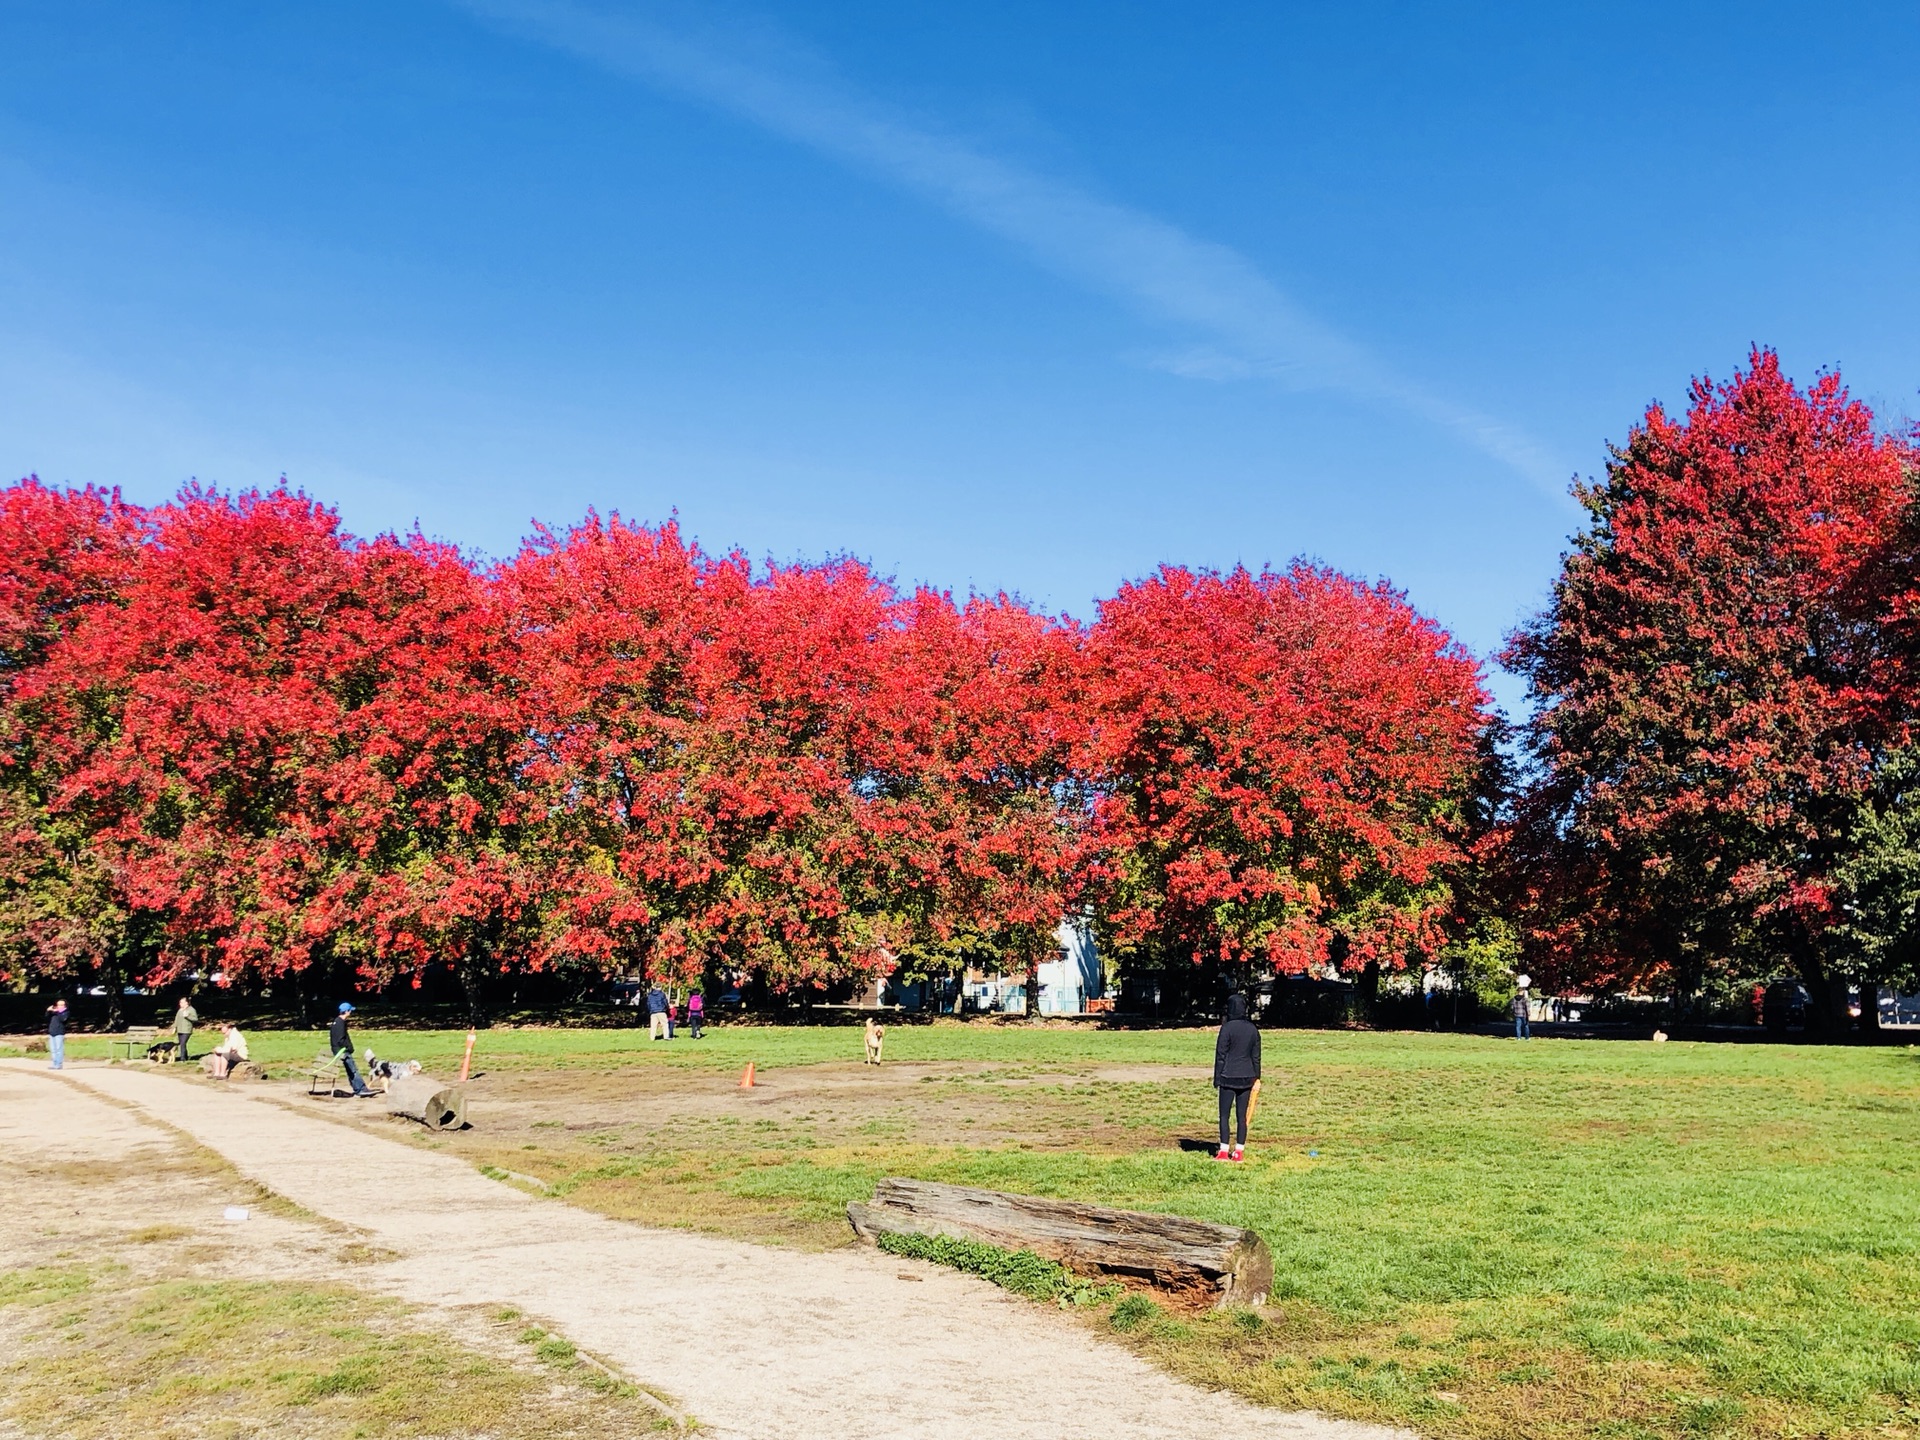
{"x": 995, "y": 295}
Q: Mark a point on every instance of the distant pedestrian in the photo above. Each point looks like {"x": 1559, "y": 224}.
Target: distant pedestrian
{"x": 184, "y": 1019}
{"x": 341, "y": 1044}
{"x": 1522, "y": 1008}
{"x": 57, "y": 1035}
{"x": 1236, "y": 1070}
{"x": 657, "y": 1019}
{"x": 696, "y": 1012}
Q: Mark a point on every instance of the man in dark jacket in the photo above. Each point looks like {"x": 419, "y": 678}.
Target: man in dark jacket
{"x": 57, "y": 1018}
{"x": 659, "y": 1019}
{"x": 341, "y": 1044}
{"x": 1236, "y": 1067}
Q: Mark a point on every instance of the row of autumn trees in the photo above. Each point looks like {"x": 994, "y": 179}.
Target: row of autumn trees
{"x": 235, "y": 739}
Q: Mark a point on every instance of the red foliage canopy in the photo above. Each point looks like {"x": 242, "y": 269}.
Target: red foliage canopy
{"x": 238, "y": 739}
{"x": 1713, "y": 679}
{"x": 1285, "y": 758}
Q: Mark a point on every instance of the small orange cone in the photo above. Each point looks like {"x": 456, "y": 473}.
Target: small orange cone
{"x": 746, "y": 1077}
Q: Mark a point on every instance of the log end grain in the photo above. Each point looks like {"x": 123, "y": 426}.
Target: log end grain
{"x": 434, "y": 1103}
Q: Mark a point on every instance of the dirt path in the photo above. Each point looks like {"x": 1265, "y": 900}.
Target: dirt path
{"x": 755, "y": 1342}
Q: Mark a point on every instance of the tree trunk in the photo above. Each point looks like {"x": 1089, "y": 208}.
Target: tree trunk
{"x": 1193, "y": 1260}
{"x": 1033, "y": 983}
{"x": 434, "y": 1103}
{"x": 1367, "y": 992}
{"x": 476, "y": 971}
{"x": 1821, "y": 990}
{"x": 115, "y": 968}
{"x": 1870, "y": 1012}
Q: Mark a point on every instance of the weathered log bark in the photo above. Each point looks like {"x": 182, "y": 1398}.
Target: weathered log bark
{"x": 434, "y": 1103}
{"x": 1195, "y": 1261}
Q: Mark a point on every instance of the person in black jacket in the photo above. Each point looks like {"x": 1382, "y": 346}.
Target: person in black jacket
{"x": 1236, "y": 1066}
{"x": 341, "y": 1044}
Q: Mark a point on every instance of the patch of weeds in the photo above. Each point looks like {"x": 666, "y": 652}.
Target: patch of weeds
{"x": 1133, "y": 1312}
{"x": 556, "y": 1351}
{"x": 1248, "y": 1322}
{"x": 358, "y": 1375}
{"x": 1709, "y": 1414}
{"x": 43, "y": 1285}
{"x": 1526, "y": 1375}
{"x": 1020, "y": 1271}
{"x": 157, "y": 1234}
{"x": 361, "y": 1253}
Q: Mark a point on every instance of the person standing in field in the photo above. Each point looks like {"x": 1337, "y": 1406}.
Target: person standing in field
{"x": 184, "y": 1019}
{"x": 1522, "y": 996}
{"x": 1236, "y": 1069}
{"x": 57, "y": 1035}
{"x": 696, "y": 1012}
{"x": 657, "y": 1014}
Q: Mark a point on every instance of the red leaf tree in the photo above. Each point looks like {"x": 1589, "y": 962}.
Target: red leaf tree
{"x": 1713, "y": 682}
{"x": 1284, "y": 759}
{"x": 976, "y": 813}
{"x": 690, "y": 750}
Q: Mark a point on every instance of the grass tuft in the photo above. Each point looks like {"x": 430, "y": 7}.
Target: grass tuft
{"x": 1020, "y": 1271}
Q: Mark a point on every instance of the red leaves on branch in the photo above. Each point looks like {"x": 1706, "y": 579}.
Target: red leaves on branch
{"x": 1723, "y": 660}
{"x": 245, "y": 742}
{"x": 1285, "y": 757}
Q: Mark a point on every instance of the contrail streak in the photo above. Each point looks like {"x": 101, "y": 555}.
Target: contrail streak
{"x": 1254, "y": 330}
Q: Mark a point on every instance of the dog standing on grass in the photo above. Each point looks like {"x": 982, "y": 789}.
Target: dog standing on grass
{"x": 876, "y": 1037}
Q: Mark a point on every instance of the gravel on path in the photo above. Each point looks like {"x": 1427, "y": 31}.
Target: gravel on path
{"x": 755, "y": 1342}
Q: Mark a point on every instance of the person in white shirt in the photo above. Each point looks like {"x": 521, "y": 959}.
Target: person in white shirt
{"x": 233, "y": 1049}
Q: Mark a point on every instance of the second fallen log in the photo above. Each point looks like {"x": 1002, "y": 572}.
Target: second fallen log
{"x": 434, "y": 1103}
{"x": 1195, "y": 1261}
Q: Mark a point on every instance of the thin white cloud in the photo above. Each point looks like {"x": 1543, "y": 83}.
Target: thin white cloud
{"x": 1252, "y": 329}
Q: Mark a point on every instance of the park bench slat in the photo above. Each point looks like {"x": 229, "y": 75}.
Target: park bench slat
{"x": 140, "y": 1038}
{"x": 326, "y": 1066}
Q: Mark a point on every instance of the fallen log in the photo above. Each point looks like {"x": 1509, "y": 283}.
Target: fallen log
{"x": 432, "y": 1102}
{"x": 1196, "y": 1262}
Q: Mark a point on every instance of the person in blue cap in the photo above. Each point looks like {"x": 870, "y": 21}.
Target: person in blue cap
{"x": 341, "y": 1044}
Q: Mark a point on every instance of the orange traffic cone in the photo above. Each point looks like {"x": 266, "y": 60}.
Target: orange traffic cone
{"x": 746, "y": 1077}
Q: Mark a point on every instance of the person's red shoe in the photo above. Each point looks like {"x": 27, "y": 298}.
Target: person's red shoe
{"x": 1223, "y": 1154}
{"x": 1238, "y": 1155}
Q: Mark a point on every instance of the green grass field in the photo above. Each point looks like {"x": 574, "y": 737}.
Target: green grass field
{"x": 1493, "y": 1238}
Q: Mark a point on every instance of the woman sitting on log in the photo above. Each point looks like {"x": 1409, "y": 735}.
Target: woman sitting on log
{"x": 232, "y": 1051}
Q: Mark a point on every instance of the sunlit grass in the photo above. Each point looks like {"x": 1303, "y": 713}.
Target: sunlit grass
{"x": 96, "y": 1357}
{"x": 1471, "y": 1236}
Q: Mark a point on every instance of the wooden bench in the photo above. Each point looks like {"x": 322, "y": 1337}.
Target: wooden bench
{"x": 139, "y": 1038}
{"x": 326, "y": 1066}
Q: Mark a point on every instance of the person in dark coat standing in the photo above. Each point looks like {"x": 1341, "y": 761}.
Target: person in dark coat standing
{"x": 1236, "y": 1066}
